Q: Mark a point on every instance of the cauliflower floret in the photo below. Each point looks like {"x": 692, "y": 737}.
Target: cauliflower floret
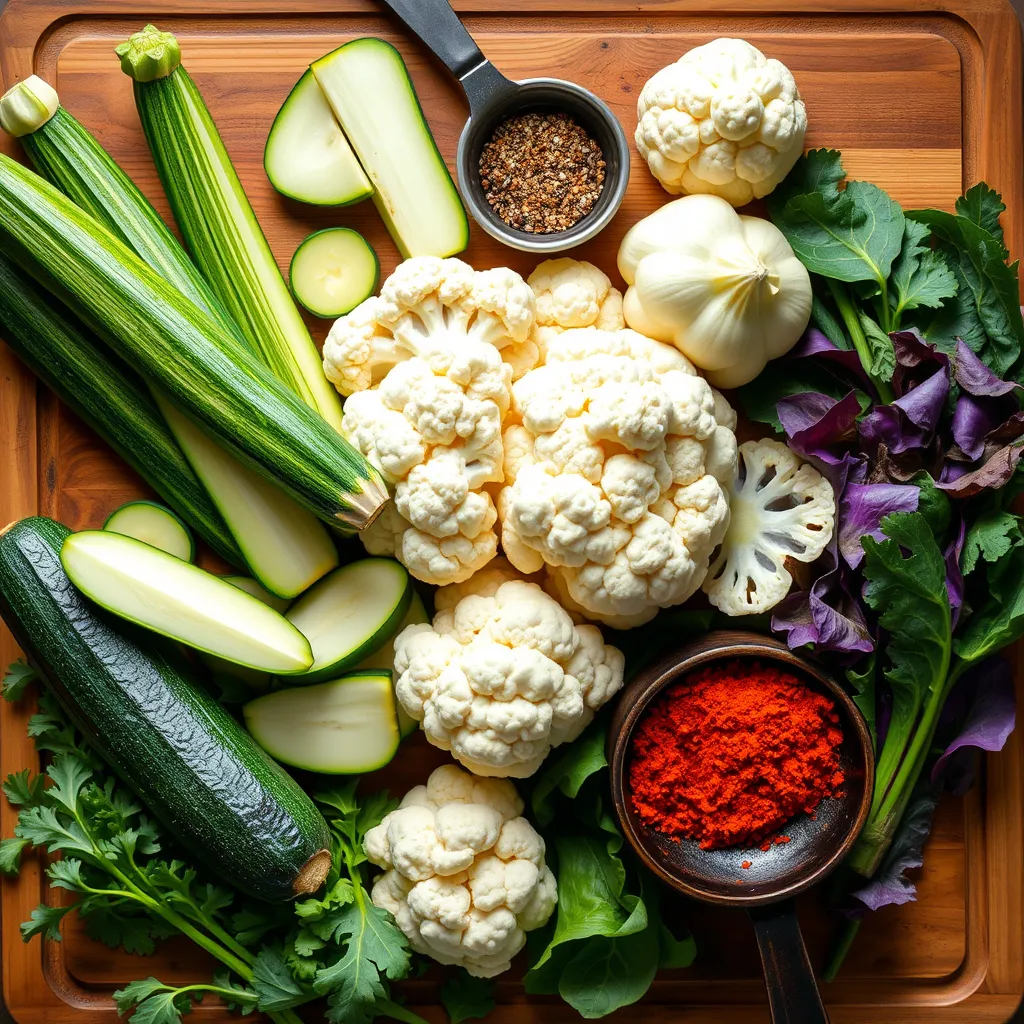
{"x": 427, "y": 391}
{"x": 723, "y": 119}
{"x": 503, "y": 675}
{"x": 464, "y": 874}
{"x": 569, "y": 293}
{"x": 782, "y": 508}
{"x": 616, "y": 465}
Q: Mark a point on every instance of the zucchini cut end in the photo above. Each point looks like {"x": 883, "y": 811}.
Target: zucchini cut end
{"x": 332, "y": 271}
{"x": 154, "y": 525}
{"x": 313, "y": 874}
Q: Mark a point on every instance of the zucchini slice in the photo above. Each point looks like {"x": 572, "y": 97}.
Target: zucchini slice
{"x": 181, "y": 601}
{"x": 256, "y": 589}
{"x": 384, "y": 659}
{"x": 343, "y": 727}
{"x": 333, "y": 270}
{"x": 307, "y": 155}
{"x": 368, "y": 87}
{"x": 349, "y": 614}
{"x": 154, "y": 525}
{"x": 189, "y": 761}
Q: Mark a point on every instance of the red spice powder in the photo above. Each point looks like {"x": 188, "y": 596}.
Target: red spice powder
{"x": 733, "y": 752}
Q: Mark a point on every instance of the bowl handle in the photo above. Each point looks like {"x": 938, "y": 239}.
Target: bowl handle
{"x": 440, "y": 30}
{"x": 792, "y": 990}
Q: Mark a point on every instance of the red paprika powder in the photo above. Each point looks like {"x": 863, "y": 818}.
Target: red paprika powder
{"x": 731, "y": 753}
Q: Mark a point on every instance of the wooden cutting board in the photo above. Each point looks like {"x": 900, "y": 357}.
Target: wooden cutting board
{"x": 922, "y": 96}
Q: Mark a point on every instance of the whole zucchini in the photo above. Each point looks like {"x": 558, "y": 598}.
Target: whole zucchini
{"x": 109, "y": 397}
{"x": 181, "y": 350}
{"x": 190, "y": 762}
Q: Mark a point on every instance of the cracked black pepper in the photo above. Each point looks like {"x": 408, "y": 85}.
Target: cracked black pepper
{"x": 541, "y": 173}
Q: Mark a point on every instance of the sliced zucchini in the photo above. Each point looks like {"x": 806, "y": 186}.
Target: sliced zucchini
{"x": 369, "y": 89}
{"x": 162, "y": 593}
{"x": 350, "y": 614}
{"x": 307, "y": 155}
{"x": 384, "y": 658}
{"x": 343, "y": 727}
{"x": 155, "y": 525}
{"x": 333, "y": 270}
{"x": 256, "y": 589}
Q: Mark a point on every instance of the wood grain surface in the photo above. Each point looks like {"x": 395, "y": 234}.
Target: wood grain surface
{"x": 922, "y": 96}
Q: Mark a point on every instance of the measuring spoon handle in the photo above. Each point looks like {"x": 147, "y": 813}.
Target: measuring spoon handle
{"x": 793, "y": 995}
{"x": 439, "y": 27}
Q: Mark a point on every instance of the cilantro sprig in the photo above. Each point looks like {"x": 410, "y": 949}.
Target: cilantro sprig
{"x": 133, "y": 888}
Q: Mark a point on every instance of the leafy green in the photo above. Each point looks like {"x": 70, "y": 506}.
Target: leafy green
{"x": 824, "y": 319}
{"x": 988, "y": 287}
{"x": 568, "y": 772}
{"x": 862, "y": 680}
{"x": 849, "y": 235}
{"x": 906, "y": 586}
{"x": 990, "y": 537}
{"x": 1000, "y": 620}
{"x": 920, "y": 276}
{"x": 132, "y": 893}
{"x": 19, "y": 675}
{"x": 882, "y": 355}
{"x": 983, "y": 205}
{"x": 467, "y": 998}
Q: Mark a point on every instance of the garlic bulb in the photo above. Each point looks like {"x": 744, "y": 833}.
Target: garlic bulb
{"x": 726, "y": 290}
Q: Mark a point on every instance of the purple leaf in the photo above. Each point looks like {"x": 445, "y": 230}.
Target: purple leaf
{"x": 916, "y": 361}
{"x": 992, "y": 713}
{"x": 814, "y": 343}
{"x": 975, "y": 377}
{"x": 861, "y": 510}
{"x": 815, "y": 423}
{"x": 889, "y": 886}
{"x": 911, "y": 421}
{"x": 974, "y": 418}
{"x": 991, "y": 475}
{"x": 954, "y": 577}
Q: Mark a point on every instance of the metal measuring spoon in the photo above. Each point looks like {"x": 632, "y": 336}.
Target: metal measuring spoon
{"x": 765, "y": 889}
{"x": 492, "y": 99}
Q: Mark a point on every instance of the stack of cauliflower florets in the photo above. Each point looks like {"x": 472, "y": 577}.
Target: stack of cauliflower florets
{"x": 519, "y": 414}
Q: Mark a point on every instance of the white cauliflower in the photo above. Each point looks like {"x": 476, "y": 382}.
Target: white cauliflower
{"x": 723, "y": 119}
{"x": 427, "y": 389}
{"x": 464, "y": 875}
{"x": 616, "y": 459}
{"x": 782, "y": 508}
{"x": 503, "y": 675}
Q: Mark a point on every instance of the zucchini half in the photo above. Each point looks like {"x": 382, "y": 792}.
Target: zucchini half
{"x": 189, "y": 761}
{"x": 349, "y": 614}
{"x": 179, "y": 600}
{"x": 307, "y": 156}
{"x": 344, "y": 727}
{"x": 154, "y": 525}
{"x": 367, "y": 85}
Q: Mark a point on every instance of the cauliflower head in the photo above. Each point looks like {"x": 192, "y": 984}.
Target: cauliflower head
{"x": 782, "y": 508}
{"x": 427, "y": 389}
{"x": 723, "y": 119}
{"x": 617, "y": 456}
{"x": 464, "y": 873}
{"x": 503, "y": 675}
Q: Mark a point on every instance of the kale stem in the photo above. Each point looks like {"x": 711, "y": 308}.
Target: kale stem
{"x": 860, "y": 342}
{"x": 840, "y": 949}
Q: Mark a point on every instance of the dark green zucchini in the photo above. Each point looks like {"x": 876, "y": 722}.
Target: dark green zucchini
{"x": 109, "y": 397}
{"x": 189, "y": 761}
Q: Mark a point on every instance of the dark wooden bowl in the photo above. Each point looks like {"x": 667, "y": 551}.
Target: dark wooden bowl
{"x": 816, "y": 846}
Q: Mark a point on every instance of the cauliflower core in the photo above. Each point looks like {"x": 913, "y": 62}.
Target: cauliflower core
{"x": 464, "y": 875}
{"x": 723, "y": 119}
{"x": 781, "y": 508}
{"x": 427, "y": 389}
{"x": 503, "y": 675}
{"x": 616, "y": 455}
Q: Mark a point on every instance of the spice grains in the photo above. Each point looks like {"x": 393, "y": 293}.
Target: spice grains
{"x": 541, "y": 172}
{"x": 732, "y": 753}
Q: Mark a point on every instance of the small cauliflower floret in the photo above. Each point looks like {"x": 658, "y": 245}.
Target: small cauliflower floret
{"x": 502, "y": 675}
{"x": 569, "y": 293}
{"x": 723, "y": 119}
{"x": 427, "y": 390}
{"x": 464, "y": 874}
{"x": 782, "y": 508}
{"x": 616, "y": 466}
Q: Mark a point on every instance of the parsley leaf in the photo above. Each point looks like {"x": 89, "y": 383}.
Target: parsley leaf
{"x": 990, "y": 537}
{"x": 1000, "y": 620}
{"x": 273, "y": 983}
{"x": 983, "y": 205}
{"x": 467, "y": 998}
{"x": 920, "y": 276}
{"x": 45, "y": 920}
{"x": 20, "y": 788}
{"x": 19, "y": 676}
